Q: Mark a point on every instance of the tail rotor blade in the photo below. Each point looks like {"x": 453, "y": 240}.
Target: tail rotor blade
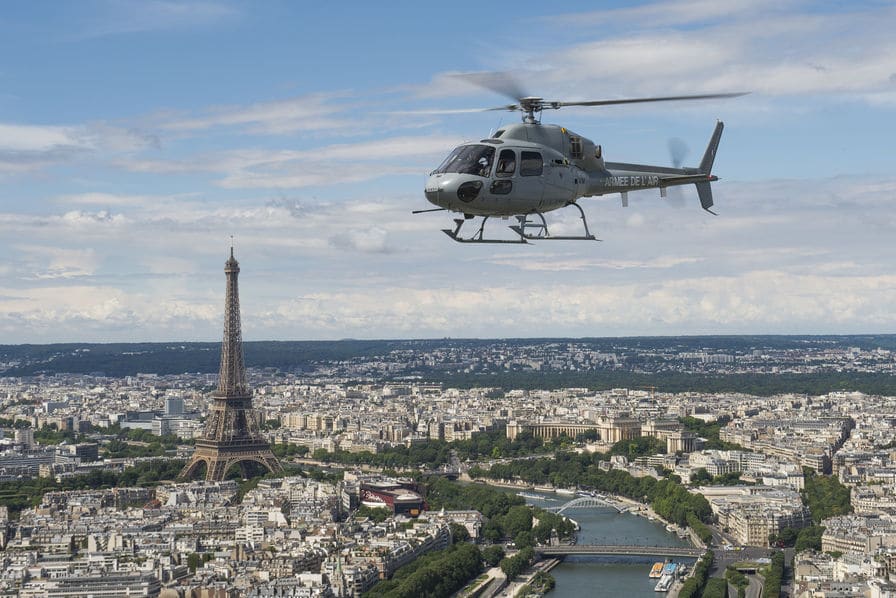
{"x": 678, "y": 150}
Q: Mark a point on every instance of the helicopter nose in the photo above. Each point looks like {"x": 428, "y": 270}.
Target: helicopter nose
{"x": 437, "y": 188}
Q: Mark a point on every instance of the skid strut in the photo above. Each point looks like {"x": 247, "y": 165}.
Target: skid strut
{"x": 541, "y": 228}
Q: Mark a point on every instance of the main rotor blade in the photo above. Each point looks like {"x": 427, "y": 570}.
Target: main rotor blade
{"x": 502, "y": 83}
{"x": 643, "y": 100}
{"x": 452, "y": 110}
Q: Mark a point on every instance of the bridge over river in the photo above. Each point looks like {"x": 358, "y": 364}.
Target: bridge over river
{"x": 616, "y": 549}
{"x": 590, "y": 502}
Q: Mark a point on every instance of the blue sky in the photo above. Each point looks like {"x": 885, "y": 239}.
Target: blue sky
{"x": 136, "y": 137}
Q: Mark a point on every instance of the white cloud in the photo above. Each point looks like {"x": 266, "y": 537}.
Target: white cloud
{"x": 575, "y": 263}
{"x": 103, "y": 312}
{"x": 31, "y": 138}
{"x": 26, "y": 148}
{"x": 764, "y": 301}
{"x": 313, "y": 112}
{"x": 48, "y": 262}
{"x": 105, "y": 199}
{"x": 168, "y": 265}
{"x": 764, "y": 265}
{"x": 670, "y": 13}
{"x": 291, "y": 169}
{"x": 700, "y": 46}
{"x": 368, "y": 240}
{"x": 120, "y": 17}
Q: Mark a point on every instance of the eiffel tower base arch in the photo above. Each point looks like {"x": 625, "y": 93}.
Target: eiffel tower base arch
{"x": 219, "y": 459}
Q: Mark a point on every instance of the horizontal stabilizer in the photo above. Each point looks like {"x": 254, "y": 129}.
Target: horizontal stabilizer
{"x": 670, "y": 181}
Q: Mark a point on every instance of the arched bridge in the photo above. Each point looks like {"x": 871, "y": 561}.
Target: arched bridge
{"x": 589, "y": 502}
{"x": 609, "y": 550}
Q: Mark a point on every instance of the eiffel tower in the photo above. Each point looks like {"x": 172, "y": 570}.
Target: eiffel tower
{"x": 232, "y": 433}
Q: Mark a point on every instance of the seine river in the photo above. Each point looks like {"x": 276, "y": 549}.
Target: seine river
{"x": 582, "y": 576}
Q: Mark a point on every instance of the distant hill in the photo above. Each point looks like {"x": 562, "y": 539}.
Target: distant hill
{"x": 125, "y": 359}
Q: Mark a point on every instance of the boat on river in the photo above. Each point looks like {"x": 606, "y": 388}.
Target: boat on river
{"x": 657, "y": 570}
{"x": 664, "y": 584}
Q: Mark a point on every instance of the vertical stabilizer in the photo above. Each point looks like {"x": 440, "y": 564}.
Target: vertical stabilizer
{"x": 710, "y": 156}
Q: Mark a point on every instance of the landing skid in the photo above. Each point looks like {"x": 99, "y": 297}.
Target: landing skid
{"x": 527, "y": 230}
{"x": 478, "y": 237}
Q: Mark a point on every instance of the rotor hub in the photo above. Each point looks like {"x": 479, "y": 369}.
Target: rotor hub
{"x": 529, "y": 106}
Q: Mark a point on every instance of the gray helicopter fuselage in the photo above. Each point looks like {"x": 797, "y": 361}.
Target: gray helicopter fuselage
{"x": 504, "y": 177}
{"x": 530, "y": 167}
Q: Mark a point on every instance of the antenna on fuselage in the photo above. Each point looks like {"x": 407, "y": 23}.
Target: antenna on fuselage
{"x": 491, "y": 134}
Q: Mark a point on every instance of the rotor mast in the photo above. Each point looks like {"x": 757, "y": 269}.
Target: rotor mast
{"x": 529, "y": 107}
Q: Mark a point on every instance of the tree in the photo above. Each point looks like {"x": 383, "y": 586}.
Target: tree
{"x": 518, "y": 519}
{"x": 375, "y": 514}
{"x": 492, "y": 555}
{"x": 193, "y": 561}
{"x": 524, "y": 540}
{"x": 786, "y": 537}
{"x": 809, "y": 538}
{"x": 824, "y": 495}
{"x": 439, "y": 574}
{"x": 701, "y": 476}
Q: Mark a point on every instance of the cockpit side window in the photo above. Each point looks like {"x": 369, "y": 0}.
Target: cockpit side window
{"x": 469, "y": 159}
{"x": 531, "y": 164}
{"x": 506, "y": 163}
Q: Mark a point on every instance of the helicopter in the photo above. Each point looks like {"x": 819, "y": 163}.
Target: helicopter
{"x": 527, "y": 169}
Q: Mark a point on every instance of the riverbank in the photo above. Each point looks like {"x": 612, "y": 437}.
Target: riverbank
{"x": 635, "y": 507}
{"x": 573, "y": 577}
{"x": 523, "y": 581}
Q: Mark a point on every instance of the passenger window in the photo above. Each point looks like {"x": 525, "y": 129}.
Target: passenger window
{"x": 506, "y": 163}
{"x": 575, "y": 148}
{"x": 531, "y": 164}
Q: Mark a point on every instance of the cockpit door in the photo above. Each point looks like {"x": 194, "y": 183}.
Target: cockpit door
{"x": 529, "y": 181}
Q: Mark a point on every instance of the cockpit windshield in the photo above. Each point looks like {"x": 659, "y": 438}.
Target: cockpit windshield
{"x": 469, "y": 159}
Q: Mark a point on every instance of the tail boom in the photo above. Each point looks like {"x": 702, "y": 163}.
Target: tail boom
{"x": 622, "y": 177}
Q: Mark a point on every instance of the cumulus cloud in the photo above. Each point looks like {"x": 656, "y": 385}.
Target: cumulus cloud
{"x": 77, "y": 312}
{"x": 670, "y": 13}
{"x": 293, "y": 169}
{"x": 25, "y": 148}
{"x": 122, "y": 17}
{"x": 777, "y": 55}
{"x": 753, "y": 301}
{"x": 763, "y": 266}
{"x": 313, "y": 112}
{"x": 370, "y": 240}
{"x": 697, "y": 46}
{"x": 48, "y": 262}
{"x": 576, "y": 263}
